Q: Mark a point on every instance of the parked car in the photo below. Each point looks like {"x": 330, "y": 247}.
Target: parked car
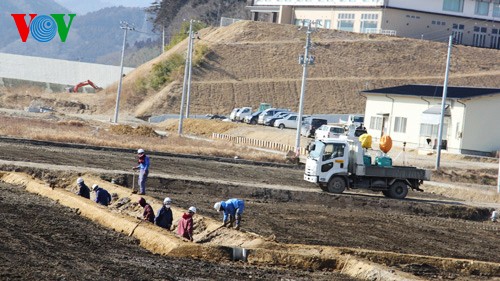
{"x": 310, "y": 124}
{"x": 252, "y": 119}
{"x": 290, "y": 121}
{"x": 268, "y": 113}
{"x": 216, "y": 117}
{"x": 235, "y": 111}
{"x": 242, "y": 113}
{"x": 279, "y": 115}
{"x": 328, "y": 132}
{"x": 353, "y": 120}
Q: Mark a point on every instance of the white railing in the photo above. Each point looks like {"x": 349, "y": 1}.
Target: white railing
{"x": 227, "y": 21}
{"x": 380, "y": 31}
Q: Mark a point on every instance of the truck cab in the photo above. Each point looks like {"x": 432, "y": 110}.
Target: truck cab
{"x": 340, "y": 163}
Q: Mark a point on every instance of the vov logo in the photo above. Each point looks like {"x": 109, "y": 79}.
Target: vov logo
{"x": 43, "y": 28}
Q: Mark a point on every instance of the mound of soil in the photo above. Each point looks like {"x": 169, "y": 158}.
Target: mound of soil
{"x": 144, "y": 131}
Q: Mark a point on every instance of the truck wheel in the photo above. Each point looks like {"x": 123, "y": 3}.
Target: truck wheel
{"x": 386, "y": 193}
{"x": 336, "y": 185}
{"x": 281, "y": 126}
{"x": 398, "y": 190}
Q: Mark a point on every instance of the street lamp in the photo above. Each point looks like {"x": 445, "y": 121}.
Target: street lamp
{"x": 126, "y": 27}
{"x": 304, "y": 60}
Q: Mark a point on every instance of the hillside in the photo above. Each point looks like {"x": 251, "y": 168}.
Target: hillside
{"x": 252, "y": 62}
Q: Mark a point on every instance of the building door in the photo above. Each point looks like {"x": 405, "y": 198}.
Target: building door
{"x": 495, "y": 38}
{"x": 458, "y": 33}
{"x": 479, "y": 39}
{"x": 385, "y": 126}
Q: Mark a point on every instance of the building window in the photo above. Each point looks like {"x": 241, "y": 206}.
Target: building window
{"x": 482, "y": 7}
{"x": 368, "y": 21}
{"x": 400, "y": 124}
{"x": 376, "y": 123}
{"x": 496, "y": 8}
{"x": 432, "y": 130}
{"x": 346, "y": 22}
{"x": 328, "y": 24}
{"x": 458, "y": 33}
{"x": 495, "y": 38}
{"x": 453, "y": 5}
{"x": 479, "y": 38}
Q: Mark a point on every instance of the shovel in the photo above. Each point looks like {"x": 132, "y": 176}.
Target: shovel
{"x": 207, "y": 236}
{"x": 133, "y": 184}
{"x": 133, "y": 229}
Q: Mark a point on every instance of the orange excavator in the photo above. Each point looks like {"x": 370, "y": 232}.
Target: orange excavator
{"x": 81, "y": 84}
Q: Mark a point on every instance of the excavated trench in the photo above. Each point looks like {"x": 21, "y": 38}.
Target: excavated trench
{"x": 222, "y": 244}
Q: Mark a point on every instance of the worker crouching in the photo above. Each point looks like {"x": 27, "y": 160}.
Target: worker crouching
{"x": 185, "y": 226}
{"x": 148, "y": 214}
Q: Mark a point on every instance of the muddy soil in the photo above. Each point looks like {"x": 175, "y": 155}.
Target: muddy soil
{"x": 42, "y": 240}
{"x": 425, "y": 224}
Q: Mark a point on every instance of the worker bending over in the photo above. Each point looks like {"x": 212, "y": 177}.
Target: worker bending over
{"x": 233, "y": 209}
{"x": 83, "y": 189}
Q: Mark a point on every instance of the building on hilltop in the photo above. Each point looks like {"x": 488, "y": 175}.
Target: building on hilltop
{"x": 412, "y": 113}
{"x": 471, "y": 22}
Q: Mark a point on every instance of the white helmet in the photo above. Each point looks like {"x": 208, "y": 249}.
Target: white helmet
{"x": 79, "y": 180}
{"x": 217, "y": 206}
{"x": 94, "y": 186}
{"x": 192, "y": 209}
{"x": 140, "y": 151}
{"x": 167, "y": 201}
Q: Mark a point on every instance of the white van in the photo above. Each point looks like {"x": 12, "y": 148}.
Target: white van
{"x": 328, "y": 132}
{"x": 235, "y": 111}
{"x": 244, "y": 111}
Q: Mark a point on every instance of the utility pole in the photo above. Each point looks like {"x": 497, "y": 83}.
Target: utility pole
{"x": 186, "y": 76}
{"x": 190, "y": 68}
{"x": 304, "y": 60}
{"x": 443, "y": 102}
{"x": 126, "y": 27}
{"x": 163, "y": 41}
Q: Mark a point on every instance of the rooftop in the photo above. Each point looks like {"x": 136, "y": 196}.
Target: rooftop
{"x": 435, "y": 91}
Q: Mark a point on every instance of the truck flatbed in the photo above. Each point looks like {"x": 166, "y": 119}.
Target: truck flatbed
{"x": 397, "y": 172}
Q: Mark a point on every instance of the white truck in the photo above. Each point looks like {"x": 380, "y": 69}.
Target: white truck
{"x": 353, "y": 120}
{"x": 337, "y": 164}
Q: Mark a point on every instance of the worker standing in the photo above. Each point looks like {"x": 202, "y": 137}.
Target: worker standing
{"x": 148, "y": 214}
{"x": 185, "y": 226}
{"x": 143, "y": 167}
{"x": 102, "y": 195}
{"x": 233, "y": 209}
{"x": 83, "y": 189}
{"x": 164, "y": 216}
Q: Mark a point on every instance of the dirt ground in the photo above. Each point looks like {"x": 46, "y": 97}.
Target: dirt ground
{"x": 297, "y": 212}
{"x": 44, "y": 241}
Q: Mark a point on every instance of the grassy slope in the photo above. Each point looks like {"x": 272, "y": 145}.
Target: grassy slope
{"x": 253, "y": 62}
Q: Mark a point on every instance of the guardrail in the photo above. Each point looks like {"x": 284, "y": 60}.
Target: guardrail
{"x": 258, "y": 143}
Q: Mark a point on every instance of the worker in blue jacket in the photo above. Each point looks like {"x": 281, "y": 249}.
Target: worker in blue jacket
{"x": 102, "y": 196}
{"x": 164, "y": 216}
{"x": 233, "y": 209}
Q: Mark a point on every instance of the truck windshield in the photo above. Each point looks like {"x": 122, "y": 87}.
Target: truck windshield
{"x": 359, "y": 119}
{"x": 318, "y": 150}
